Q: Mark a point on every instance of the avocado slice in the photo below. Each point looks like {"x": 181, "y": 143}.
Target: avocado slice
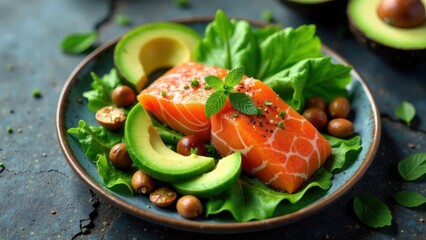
{"x": 400, "y": 45}
{"x": 225, "y": 174}
{"x": 153, "y": 47}
{"x": 149, "y": 153}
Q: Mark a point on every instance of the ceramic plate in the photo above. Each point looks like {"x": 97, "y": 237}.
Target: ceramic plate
{"x": 72, "y": 107}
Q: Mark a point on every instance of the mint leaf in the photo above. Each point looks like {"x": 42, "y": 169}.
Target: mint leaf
{"x": 215, "y": 102}
{"x": 372, "y": 211}
{"x": 95, "y": 140}
{"x": 78, "y": 42}
{"x": 113, "y": 178}
{"x": 243, "y": 103}
{"x": 234, "y": 76}
{"x": 406, "y": 112}
{"x": 100, "y": 95}
{"x": 214, "y": 82}
{"x": 409, "y": 199}
{"x": 413, "y": 166}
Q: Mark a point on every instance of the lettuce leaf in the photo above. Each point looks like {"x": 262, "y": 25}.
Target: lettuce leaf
{"x": 344, "y": 152}
{"x": 95, "y": 140}
{"x": 113, "y": 178}
{"x": 100, "y": 95}
{"x": 284, "y": 48}
{"x": 309, "y": 78}
{"x": 228, "y": 44}
{"x": 250, "y": 199}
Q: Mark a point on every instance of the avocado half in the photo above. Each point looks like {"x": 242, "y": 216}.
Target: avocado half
{"x": 398, "y": 45}
{"x": 318, "y": 9}
{"x": 152, "y": 47}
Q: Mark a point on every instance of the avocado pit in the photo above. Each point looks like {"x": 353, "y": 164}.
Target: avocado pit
{"x": 402, "y": 13}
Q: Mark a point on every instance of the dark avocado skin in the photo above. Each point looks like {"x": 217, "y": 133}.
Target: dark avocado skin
{"x": 325, "y": 11}
{"x": 389, "y": 54}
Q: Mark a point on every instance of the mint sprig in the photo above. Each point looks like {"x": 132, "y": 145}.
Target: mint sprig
{"x": 223, "y": 89}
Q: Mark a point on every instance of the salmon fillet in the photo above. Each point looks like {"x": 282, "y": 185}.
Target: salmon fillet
{"x": 278, "y": 147}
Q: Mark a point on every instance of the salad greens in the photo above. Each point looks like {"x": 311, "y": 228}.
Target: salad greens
{"x": 290, "y": 61}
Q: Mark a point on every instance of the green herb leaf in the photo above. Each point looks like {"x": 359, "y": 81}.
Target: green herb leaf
{"x": 284, "y": 48}
{"x": 215, "y": 102}
{"x": 100, "y": 96}
{"x": 309, "y": 78}
{"x": 250, "y": 199}
{"x": 113, "y": 178}
{"x": 372, "y": 211}
{"x": 243, "y": 103}
{"x": 267, "y": 15}
{"x": 228, "y": 44}
{"x": 182, "y": 3}
{"x": 409, "y": 199}
{"x": 406, "y": 112}
{"x": 78, "y": 42}
{"x": 214, "y": 82}
{"x": 123, "y": 20}
{"x": 344, "y": 151}
{"x": 36, "y": 93}
{"x": 234, "y": 76}
{"x": 413, "y": 166}
{"x": 95, "y": 140}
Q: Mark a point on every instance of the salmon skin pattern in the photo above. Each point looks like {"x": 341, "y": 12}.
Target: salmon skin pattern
{"x": 178, "y": 98}
{"x": 279, "y": 146}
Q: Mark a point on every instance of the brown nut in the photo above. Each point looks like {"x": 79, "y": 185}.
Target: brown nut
{"x": 163, "y": 196}
{"x": 402, "y": 13}
{"x": 317, "y": 102}
{"x": 142, "y": 183}
{"x": 110, "y": 117}
{"x": 119, "y": 156}
{"x": 123, "y": 96}
{"x": 340, "y": 127}
{"x": 316, "y": 117}
{"x": 189, "y": 144}
{"x": 189, "y": 206}
{"x": 339, "y": 108}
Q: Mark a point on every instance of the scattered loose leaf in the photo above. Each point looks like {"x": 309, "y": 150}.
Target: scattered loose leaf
{"x": 406, "y": 112}
{"x": 413, "y": 166}
{"x": 267, "y": 15}
{"x": 372, "y": 211}
{"x": 123, "y": 20}
{"x": 78, "y": 42}
{"x": 409, "y": 199}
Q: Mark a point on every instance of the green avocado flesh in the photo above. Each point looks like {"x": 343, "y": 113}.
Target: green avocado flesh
{"x": 151, "y": 155}
{"x": 152, "y": 47}
{"x": 363, "y": 14}
{"x": 225, "y": 174}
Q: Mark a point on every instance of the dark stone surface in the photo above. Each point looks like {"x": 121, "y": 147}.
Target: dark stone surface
{"x": 41, "y": 197}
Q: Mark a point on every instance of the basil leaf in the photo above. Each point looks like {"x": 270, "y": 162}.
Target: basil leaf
{"x": 228, "y": 44}
{"x": 243, "y": 103}
{"x": 78, "y": 42}
{"x": 100, "y": 95}
{"x": 214, "y": 82}
{"x": 344, "y": 151}
{"x": 215, "y": 102}
{"x": 372, "y": 211}
{"x": 406, "y": 112}
{"x": 413, "y": 166}
{"x": 113, "y": 178}
{"x": 409, "y": 199}
{"x": 309, "y": 78}
{"x": 95, "y": 140}
{"x": 249, "y": 199}
{"x": 284, "y": 48}
{"x": 234, "y": 76}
